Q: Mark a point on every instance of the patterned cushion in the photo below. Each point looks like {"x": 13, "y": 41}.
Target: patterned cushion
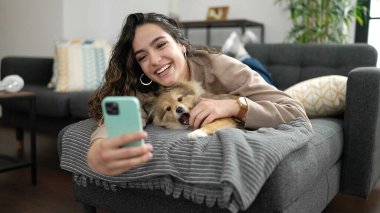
{"x": 79, "y": 64}
{"x": 322, "y": 96}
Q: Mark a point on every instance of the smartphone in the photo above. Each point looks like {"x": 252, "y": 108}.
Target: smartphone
{"x": 122, "y": 115}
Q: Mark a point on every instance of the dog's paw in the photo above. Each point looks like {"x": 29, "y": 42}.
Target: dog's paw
{"x": 196, "y": 134}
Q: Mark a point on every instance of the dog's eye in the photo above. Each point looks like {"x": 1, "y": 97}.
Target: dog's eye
{"x": 168, "y": 108}
{"x": 180, "y": 99}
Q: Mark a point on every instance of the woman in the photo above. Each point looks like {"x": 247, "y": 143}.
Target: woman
{"x": 152, "y": 52}
{"x": 234, "y": 47}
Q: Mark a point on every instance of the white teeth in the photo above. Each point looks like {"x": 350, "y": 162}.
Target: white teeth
{"x": 163, "y": 69}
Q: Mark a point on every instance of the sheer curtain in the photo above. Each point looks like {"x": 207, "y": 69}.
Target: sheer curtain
{"x": 374, "y": 27}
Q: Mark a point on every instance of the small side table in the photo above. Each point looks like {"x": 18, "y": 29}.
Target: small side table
{"x": 8, "y": 163}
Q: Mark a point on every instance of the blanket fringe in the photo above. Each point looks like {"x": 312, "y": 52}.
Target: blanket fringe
{"x": 82, "y": 180}
{"x": 195, "y": 194}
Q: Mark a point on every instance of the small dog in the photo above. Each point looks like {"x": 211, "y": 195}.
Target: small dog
{"x": 170, "y": 108}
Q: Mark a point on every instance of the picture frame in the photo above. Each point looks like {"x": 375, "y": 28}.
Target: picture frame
{"x": 217, "y": 13}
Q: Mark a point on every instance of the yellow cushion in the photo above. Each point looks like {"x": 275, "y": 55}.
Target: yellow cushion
{"x": 322, "y": 96}
{"x": 79, "y": 64}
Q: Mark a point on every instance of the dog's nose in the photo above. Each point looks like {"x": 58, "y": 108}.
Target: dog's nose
{"x": 179, "y": 109}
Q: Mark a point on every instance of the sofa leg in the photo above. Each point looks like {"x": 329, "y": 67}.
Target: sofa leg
{"x": 20, "y": 141}
{"x": 88, "y": 208}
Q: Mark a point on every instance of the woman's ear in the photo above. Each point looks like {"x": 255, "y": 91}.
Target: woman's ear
{"x": 183, "y": 48}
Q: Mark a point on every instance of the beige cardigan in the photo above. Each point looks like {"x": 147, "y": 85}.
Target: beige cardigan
{"x": 267, "y": 106}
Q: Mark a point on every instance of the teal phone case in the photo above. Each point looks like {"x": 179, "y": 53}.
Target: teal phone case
{"x": 126, "y": 119}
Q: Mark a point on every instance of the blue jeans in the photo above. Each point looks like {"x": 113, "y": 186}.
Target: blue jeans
{"x": 257, "y": 66}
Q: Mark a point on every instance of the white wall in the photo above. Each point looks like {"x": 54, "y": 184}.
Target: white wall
{"x": 104, "y": 18}
{"x": 94, "y": 19}
{"x": 30, "y": 27}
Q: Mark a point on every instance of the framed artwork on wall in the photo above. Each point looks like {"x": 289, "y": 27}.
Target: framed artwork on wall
{"x": 217, "y": 13}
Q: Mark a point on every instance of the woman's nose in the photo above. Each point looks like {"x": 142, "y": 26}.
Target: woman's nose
{"x": 155, "y": 58}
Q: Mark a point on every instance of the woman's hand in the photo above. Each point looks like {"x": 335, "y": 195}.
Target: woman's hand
{"x": 105, "y": 156}
{"x": 208, "y": 110}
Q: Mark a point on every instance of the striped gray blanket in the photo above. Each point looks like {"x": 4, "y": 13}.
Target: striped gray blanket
{"x": 227, "y": 169}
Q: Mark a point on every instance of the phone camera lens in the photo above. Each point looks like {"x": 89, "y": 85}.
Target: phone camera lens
{"x": 112, "y": 108}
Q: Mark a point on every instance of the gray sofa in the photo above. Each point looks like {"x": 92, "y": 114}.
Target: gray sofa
{"x": 54, "y": 110}
{"x": 342, "y": 157}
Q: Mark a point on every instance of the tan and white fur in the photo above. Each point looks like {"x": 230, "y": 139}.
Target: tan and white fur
{"x": 170, "y": 108}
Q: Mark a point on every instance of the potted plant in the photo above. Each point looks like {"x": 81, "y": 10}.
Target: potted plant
{"x": 322, "y": 21}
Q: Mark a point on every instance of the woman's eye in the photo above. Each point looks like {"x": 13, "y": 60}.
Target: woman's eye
{"x": 168, "y": 108}
{"x": 179, "y": 99}
{"x": 162, "y": 44}
{"x": 141, "y": 58}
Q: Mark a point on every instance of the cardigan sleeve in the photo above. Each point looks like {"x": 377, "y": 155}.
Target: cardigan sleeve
{"x": 267, "y": 106}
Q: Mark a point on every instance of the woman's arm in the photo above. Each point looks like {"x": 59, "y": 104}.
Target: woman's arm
{"x": 267, "y": 106}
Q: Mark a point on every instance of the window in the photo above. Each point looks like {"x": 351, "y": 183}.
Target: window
{"x": 371, "y": 29}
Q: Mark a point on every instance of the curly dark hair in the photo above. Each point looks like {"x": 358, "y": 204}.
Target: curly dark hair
{"x": 122, "y": 75}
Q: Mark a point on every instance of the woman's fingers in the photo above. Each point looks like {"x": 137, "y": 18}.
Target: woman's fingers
{"x": 122, "y": 165}
{"x": 199, "y": 119}
{"x": 119, "y": 160}
{"x": 106, "y": 156}
{"x": 210, "y": 118}
{"x": 208, "y": 110}
{"x": 128, "y": 138}
{"x": 132, "y": 151}
{"x": 203, "y": 113}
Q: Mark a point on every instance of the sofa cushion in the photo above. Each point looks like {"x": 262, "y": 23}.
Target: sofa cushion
{"x": 321, "y": 96}
{"x": 80, "y": 64}
{"x": 79, "y": 104}
{"x": 48, "y": 102}
{"x": 301, "y": 169}
{"x": 290, "y": 64}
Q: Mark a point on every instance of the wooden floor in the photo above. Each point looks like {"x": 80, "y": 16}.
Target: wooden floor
{"x": 53, "y": 191}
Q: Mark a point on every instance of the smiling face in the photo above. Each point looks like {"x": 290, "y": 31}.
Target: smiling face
{"x": 160, "y": 57}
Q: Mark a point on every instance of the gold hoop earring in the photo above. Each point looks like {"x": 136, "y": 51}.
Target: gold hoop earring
{"x": 143, "y": 83}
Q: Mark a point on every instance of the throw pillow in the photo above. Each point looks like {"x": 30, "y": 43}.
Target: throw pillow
{"x": 321, "y": 96}
{"x": 79, "y": 65}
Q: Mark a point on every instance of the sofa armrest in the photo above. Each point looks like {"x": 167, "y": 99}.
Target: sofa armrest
{"x": 33, "y": 70}
{"x": 60, "y": 138}
{"x": 361, "y": 152}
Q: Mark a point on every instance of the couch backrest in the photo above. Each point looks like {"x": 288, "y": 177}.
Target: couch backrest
{"x": 293, "y": 63}
{"x": 32, "y": 69}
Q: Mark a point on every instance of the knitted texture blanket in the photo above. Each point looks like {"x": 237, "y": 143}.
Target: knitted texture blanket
{"x": 227, "y": 169}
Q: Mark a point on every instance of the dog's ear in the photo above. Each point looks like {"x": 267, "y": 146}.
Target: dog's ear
{"x": 158, "y": 92}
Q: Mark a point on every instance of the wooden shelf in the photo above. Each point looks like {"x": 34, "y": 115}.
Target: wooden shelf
{"x": 239, "y": 23}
